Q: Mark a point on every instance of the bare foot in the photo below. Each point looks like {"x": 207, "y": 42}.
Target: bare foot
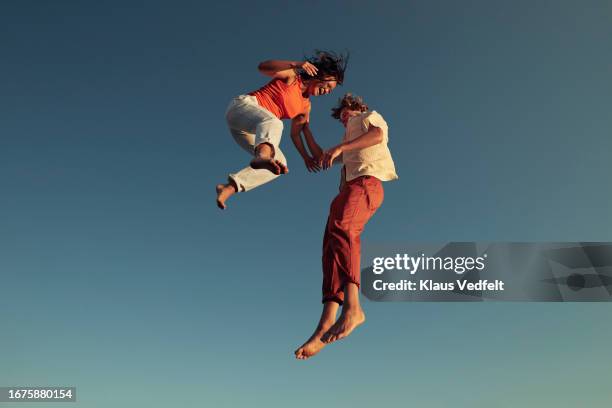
{"x": 348, "y": 321}
{"x": 274, "y": 166}
{"x": 314, "y": 344}
{"x": 224, "y": 191}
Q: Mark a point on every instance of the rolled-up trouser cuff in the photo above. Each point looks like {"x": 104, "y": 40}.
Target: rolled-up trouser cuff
{"x": 339, "y": 297}
{"x": 333, "y": 298}
{"x": 235, "y": 182}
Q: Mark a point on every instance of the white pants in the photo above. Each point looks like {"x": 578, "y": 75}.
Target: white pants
{"x": 251, "y": 125}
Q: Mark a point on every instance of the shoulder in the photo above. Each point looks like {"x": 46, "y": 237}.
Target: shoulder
{"x": 373, "y": 118}
{"x": 275, "y": 83}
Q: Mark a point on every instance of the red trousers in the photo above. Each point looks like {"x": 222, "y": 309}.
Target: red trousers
{"x": 357, "y": 201}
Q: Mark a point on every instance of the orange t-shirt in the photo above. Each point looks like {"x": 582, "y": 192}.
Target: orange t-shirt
{"x": 284, "y": 101}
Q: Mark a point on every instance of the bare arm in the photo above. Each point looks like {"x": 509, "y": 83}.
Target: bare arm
{"x": 372, "y": 137}
{"x": 298, "y": 125}
{"x": 336, "y": 160}
{"x": 285, "y": 70}
{"x": 314, "y": 148}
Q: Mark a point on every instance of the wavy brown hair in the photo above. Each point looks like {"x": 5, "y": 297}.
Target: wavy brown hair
{"x": 350, "y": 101}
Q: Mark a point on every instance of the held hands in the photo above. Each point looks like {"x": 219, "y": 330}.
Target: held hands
{"x": 328, "y": 156}
{"x": 313, "y": 165}
{"x": 324, "y": 161}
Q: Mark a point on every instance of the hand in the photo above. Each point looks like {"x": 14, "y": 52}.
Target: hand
{"x": 328, "y": 157}
{"x": 311, "y": 164}
{"x": 309, "y": 68}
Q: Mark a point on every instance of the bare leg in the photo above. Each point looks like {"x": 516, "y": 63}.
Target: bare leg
{"x": 352, "y": 315}
{"x": 314, "y": 344}
{"x": 224, "y": 191}
{"x": 264, "y": 159}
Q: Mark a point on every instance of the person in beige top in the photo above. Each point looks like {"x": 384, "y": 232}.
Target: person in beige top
{"x": 367, "y": 163}
{"x": 374, "y": 160}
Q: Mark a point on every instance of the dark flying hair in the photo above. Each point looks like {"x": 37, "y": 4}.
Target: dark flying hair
{"x": 329, "y": 64}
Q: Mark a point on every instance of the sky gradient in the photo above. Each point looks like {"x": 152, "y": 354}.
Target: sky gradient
{"x": 122, "y": 278}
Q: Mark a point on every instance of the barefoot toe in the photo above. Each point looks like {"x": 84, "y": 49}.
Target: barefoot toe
{"x": 283, "y": 168}
{"x": 268, "y": 164}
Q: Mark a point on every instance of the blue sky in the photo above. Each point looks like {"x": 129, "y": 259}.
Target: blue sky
{"x": 121, "y": 277}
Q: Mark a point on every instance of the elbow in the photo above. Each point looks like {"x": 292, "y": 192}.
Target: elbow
{"x": 263, "y": 66}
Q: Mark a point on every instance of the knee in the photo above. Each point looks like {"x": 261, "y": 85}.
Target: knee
{"x": 338, "y": 235}
{"x": 340, "y": 226}
{"x": 231, "y": 113}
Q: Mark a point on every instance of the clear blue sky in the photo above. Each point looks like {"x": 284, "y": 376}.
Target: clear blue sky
{"x": 121, "y": 277}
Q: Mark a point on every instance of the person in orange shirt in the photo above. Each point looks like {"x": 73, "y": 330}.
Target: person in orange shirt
{"x": 367, "y": 164}
{"x": 255, "y": 119}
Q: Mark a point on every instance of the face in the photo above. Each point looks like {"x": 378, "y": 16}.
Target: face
{"x": 317, "y": 87}
{"x": 346, "y": 114}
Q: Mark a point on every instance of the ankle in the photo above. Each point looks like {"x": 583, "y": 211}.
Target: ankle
{"x": 351, "y": 308}
{"x": 351, "y": 297}
{"x": 324, "y": 326}
{"x": 264, "y": 151}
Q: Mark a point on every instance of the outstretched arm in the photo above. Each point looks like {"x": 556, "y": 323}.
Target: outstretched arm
{"x": 285, "y": 70}
{"x": 314, "y": 148}
{"x": 372, "y": 137}
{"x": 297, "y": 126}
